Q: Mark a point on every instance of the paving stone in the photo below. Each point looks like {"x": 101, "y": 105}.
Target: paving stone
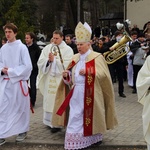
{"x": 129, "y": 132}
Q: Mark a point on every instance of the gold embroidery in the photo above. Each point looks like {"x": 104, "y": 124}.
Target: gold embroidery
{"x": 87, "y": 121}
{"x": 52, "y": 86}
{"x": 88, "y": 100}
{"x": 90, "y": 79}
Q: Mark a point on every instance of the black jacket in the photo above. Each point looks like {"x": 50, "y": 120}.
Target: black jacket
{"x": 34, "y": 52}
{"x": 74, "y": 47}
{"x": 135, "y": 46}
{"x": 122, "y": 60}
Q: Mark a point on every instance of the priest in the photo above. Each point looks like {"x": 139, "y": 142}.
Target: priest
{"x": 88, "y": 109}
{"x": 54, "y": 58}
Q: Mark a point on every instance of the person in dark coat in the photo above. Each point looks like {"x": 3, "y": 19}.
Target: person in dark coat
{"x": 69, "y": 42}
{"x": 34, "y": 52}
{"x": 117, "y": 68}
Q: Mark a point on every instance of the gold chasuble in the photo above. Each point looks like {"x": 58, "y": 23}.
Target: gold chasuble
{"x": 99, "y": 104}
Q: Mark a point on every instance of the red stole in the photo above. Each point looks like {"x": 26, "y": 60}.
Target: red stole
{"x": 89, "y": 98}
{"x": 65, "y": 103}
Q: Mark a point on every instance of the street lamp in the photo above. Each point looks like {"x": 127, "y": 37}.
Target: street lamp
{"x": 78, "y": 10}
{"x": 125, "y": 9}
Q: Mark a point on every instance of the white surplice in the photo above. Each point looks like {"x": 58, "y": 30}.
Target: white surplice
{"x": 74, "y": 133}
{"x": 15, "y": 106}
{"x": 50, "y": 77}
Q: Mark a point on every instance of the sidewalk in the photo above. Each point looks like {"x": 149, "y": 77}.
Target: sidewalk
{"x": 127, "y": 133}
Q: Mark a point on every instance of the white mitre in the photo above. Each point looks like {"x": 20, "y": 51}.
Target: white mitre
{"x": 83, "y": 32}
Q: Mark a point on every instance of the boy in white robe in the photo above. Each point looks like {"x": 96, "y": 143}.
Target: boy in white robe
{"x": 15, "y": 67}
{"x": 54, "y": 58}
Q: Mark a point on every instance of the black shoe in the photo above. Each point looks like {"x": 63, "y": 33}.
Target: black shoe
{"x": 122, "y": 95}
{"x": 134, "y": 91}
{"x": 2, "y": 141}
{"x": 98, "y": 143}
{"x": 21, "y": 137}
{"x": 54, "y": 130}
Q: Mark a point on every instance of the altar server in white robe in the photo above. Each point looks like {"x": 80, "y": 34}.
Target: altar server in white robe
{"x": 51, "y": 65}
{"x": 15, "y": 67}
{"x": 143, "y": 92}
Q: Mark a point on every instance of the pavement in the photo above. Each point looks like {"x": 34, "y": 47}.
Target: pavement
{"x": 128, "y": 133}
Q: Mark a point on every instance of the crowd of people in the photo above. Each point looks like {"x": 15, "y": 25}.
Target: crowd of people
{"x": 74, "y": 78}
{"x": 128, "y": 66}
